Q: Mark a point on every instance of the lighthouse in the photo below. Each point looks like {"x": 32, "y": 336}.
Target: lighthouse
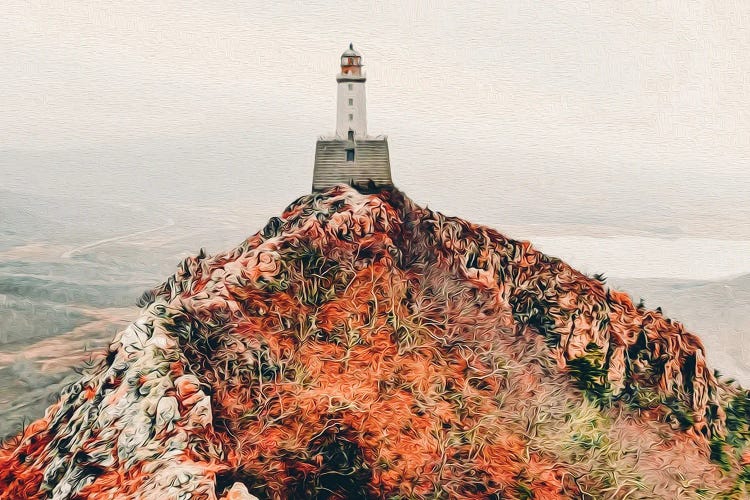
{"x": 351, "y": 156}
{"x": 351, "y": 107}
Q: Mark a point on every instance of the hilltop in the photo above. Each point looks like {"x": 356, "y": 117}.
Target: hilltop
{"x": 363, "y": 346}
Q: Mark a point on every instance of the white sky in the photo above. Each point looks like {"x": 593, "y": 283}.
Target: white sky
{"x": 625, "y": 114}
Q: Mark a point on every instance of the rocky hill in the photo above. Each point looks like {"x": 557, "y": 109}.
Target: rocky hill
{"x": 361, "y": 346}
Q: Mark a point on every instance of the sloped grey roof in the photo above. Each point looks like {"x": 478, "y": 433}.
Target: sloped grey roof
{"x": 371, "y": 162}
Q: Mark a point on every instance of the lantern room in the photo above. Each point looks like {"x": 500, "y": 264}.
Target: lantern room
{"x": 351, "y": 62}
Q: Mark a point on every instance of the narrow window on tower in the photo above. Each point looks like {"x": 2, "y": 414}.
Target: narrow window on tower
{"x": 351, "y": 102}
{"x": 349, "y": 155}
{"x": 351, "y": 135}
{"x": 351, "y": 86}
{"x": 351, "y": 117}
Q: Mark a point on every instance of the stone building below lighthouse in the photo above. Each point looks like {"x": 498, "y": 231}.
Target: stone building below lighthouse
{"x": 351, "y": 156}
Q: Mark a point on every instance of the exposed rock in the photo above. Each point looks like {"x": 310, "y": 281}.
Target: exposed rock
{"x": 362, "y": 346}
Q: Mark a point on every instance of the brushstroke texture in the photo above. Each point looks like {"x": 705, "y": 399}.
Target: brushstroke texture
{"x": 361, "y": 346}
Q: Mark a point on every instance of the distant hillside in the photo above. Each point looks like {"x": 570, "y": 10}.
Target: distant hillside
{"x": 361, "y": 346}
{"x": 26, "y": 217}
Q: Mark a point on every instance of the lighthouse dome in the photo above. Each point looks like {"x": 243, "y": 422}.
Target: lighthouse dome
{"x": 350, "y": 52}
{"x": 351, "y": 63}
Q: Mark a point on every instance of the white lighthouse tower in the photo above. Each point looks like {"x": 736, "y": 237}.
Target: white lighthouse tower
{"x": 351, "y": 156}
{"x": 351, "y": 107}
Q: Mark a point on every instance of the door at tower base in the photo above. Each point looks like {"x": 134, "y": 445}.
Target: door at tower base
{"x": 361, "y": 163}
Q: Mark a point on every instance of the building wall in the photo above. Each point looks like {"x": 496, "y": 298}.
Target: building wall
{"x": 371, "y": 163}
{"x": 358, "y": 109}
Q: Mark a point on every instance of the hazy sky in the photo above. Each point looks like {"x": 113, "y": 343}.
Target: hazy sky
{"x": 506, "y": 113}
